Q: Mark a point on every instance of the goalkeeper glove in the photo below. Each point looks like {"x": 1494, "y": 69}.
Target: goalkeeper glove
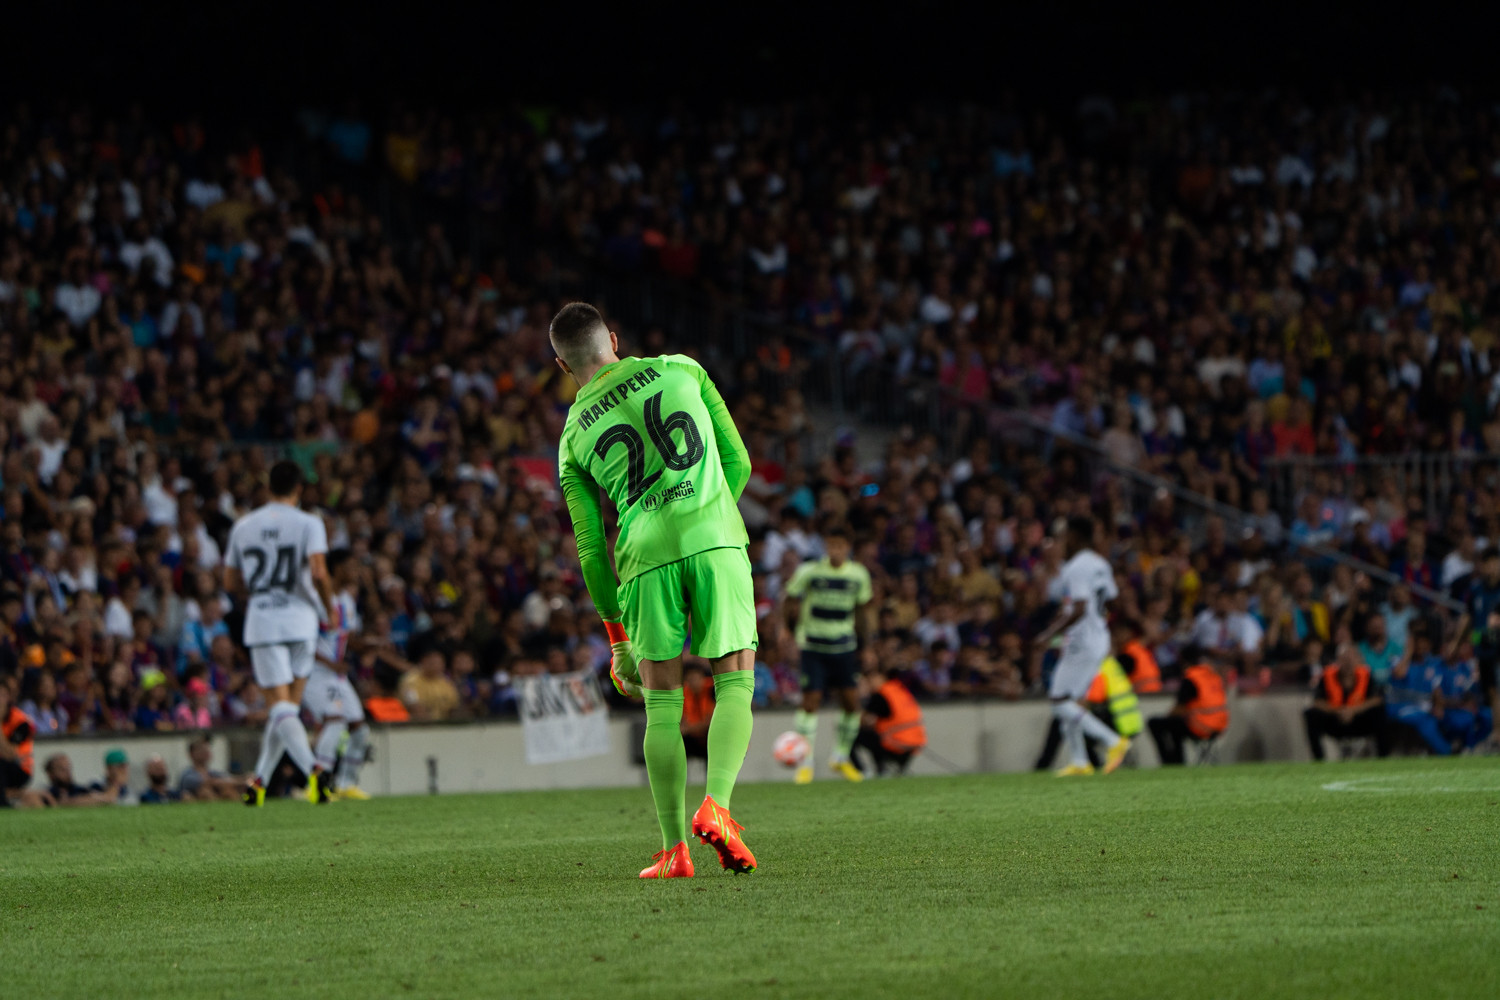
{"x": 624, "y": 667}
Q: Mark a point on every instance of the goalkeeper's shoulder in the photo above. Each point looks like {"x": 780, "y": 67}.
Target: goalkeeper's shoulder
{"x": 690, "y": 365}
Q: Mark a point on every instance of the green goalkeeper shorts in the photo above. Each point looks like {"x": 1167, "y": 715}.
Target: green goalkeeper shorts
{"x": 710, "y": 591}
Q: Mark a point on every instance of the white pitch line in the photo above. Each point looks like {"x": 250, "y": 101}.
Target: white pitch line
{"x": 1364, "y": 785}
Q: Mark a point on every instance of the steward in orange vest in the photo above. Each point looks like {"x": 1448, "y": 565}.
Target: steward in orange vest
{"x": 1208, "y": 709}
{"x": 1344, "y": 692}
{"x": 386, "y": 708}
{"x": 1201, "y": 712}
{"x": 893, "y": 733}
{"x": 1346, "y": 705}
{"x": 697, "y": 710}
{"x": 17, "y": 745}
{"x": 1140, "y": 666}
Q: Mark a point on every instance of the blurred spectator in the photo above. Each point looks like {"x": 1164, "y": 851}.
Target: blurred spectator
{"x": 199, "y": 633}
{"x": 116, "y": 773}
{"x": 245, "y": 703}
{"x": 158, "y": 792}
{"x": 429, "y": 694}
{"x": 194, "y": 713}
{"x": 1462, "y": 716}
{"x": 90, "y": 705}
{"x": 1398, "y": 613}
{"x": 154, "y": 711}
{"x": 1265, "y": 520}
{"x": 1226, "y": 629}
{"x": 199, "y": 782}
{"x": 61, "y": 787}
{"x": 40, "y": 704}
{"x": 766, "y": 694}
{"x": 1409, "y": 697}
{"x": 1479, "y": 626}
{"x": 1346, "y": 704}
{"x": 66, "y": 792}
{"x": 697, "y": 709}
{"x": 1378, "y": 650}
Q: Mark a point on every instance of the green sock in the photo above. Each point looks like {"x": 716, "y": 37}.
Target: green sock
{"x": 729, "y": 732}
{"x": 848, "y": 732}
{"x": 666, "y": 762}
{"x": 807, "y": 725}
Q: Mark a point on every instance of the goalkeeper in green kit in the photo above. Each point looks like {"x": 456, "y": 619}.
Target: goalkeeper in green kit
{"x": 655, "y": 435}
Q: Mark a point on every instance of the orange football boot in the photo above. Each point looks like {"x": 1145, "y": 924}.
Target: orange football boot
{"x": 670, "y": 862}
{"x": 712, "y": 825}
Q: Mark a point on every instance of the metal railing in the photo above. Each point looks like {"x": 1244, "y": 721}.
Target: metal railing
{"x": 1142, "y": 488}
{"x": 1435, "y": 477}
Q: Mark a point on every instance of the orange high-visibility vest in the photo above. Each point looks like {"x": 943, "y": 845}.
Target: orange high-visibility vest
{"x": 1146, "y": 677}
{"x": 26, "y": 749}
{"x": 387, "y": 709}
{"x": 1334, "y": 691}
{"x": 1098, "y": 692}
{"x": 1208, "y": 713}
{"x": 901, "y": 731}
{"x": 697, "y": 708}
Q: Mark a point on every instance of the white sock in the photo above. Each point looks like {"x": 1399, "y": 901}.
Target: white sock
{"x": 1092, "y": 726}
{"x": 270, "y": 745}
{"x": 1077, "y": 749}
{"x": 354, "y": 756}
{"x": 1070, "y": 718}
{"x": 294, "y": 736}
{"x": 327, "y": 749}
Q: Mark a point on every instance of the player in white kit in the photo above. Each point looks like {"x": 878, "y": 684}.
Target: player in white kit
{"x": 329, "y": 697}
{"x": 1084, "y": 586}
{"x": 276, "y": 561}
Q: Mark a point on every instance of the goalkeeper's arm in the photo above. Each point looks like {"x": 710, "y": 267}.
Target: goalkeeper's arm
{"x": 733, "y": 455}
{"x": 582, "y": 496}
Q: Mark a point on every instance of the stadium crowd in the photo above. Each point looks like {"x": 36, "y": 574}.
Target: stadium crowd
{"x": 1199, "y": 284}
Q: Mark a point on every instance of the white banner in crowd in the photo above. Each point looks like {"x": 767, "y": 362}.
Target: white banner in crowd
{"x": 563, "y": 717}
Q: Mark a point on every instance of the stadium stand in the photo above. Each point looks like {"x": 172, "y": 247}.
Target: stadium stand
{"x": 1223, "y": 326}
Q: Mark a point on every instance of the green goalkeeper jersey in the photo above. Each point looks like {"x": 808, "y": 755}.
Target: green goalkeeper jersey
{"x": 655, "y": 435}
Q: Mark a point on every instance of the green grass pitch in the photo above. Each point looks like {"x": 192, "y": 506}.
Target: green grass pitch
{"x": 1253, "y": 881}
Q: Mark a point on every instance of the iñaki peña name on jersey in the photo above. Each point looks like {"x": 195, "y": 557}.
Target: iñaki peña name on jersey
{"x": 615, "y": 396}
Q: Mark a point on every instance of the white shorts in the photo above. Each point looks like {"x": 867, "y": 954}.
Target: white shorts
{"x": 330, "y": 695}
{"x": 281, "y": 662}
{"x": 1076, "y": 669}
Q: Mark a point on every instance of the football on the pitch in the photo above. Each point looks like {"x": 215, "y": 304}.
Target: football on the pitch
{"x": 791, "y": 748}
